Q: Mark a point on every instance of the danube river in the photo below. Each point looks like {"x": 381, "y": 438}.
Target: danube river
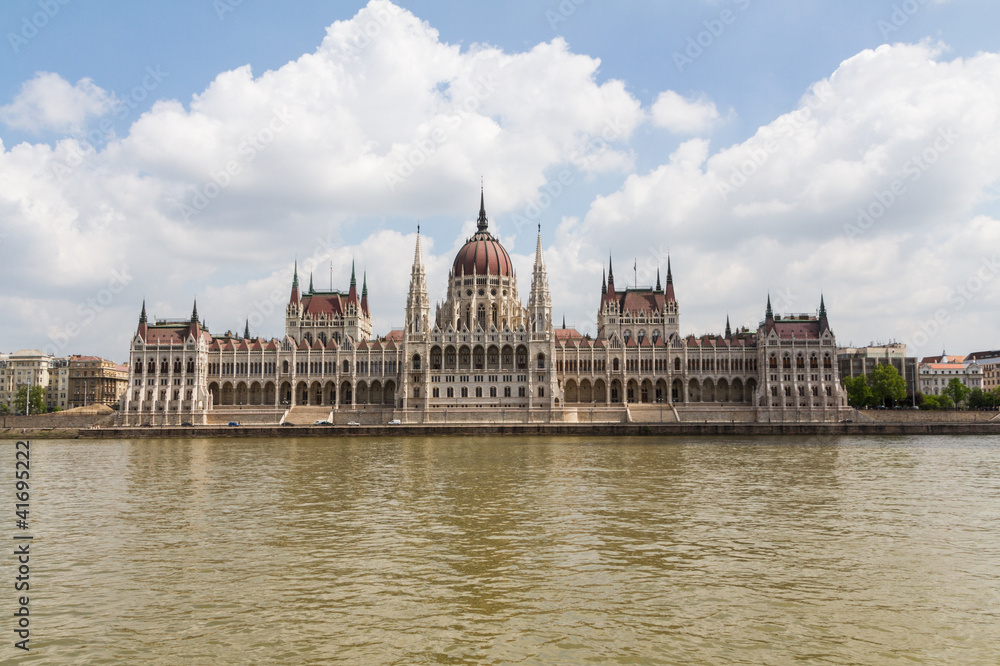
{"x": 480, "y": 550}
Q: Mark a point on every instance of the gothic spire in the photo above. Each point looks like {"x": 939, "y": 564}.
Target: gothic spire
{"x": 670, "y": 276}
{"x": 769, "y": 313}
{"x": 194, "y": 312}
{"x": 294, "y": 297}
{"x": 246, "y": 330}
{"x": 611, "y": 273}
{"x": 824, "y": 323}
{"x": 564, "y": 322}
{"x": 311, "y": 290}
{"x": 539, "y": 260}
{"x": 482, "y": 222}
{"x": 352, "y": 293}
{"x": 658, "y": 287}
{"x": 142, "y": 315}
{"x": 604, "y": 281}
{"x": 729, "y": 330}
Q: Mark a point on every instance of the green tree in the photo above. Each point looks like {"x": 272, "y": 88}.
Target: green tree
{"x": 4, "y": 408}
{"x": 887, "y": 384}
{"x": 956, "y": 391}
{"x": 859, "y": 394}
{"x": 980, "y": 399}
{"x": 37, "y": 400}
{"x": 937, "y": 402}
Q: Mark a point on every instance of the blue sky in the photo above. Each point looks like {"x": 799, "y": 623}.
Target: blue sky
{"x": 682, "y": 120}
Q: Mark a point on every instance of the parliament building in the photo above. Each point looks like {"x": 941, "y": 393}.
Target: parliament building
{"x": 484, "y": 357}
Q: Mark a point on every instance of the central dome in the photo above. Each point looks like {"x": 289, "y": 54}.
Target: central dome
{"x": 483, "y": 254}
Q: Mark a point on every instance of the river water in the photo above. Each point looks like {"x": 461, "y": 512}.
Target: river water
{"x": 478, "y": 550}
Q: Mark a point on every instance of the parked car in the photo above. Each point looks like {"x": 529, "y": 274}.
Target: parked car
{"x": 286, "y": 423}
{"x": 321, "y": 423}
{"x": 234, "y": 423}
{"x": 187, "y": 425}
{"x": 353, "y": 423}
{"x": 395, "y": 422}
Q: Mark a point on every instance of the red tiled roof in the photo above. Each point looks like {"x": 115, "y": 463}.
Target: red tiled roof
{"x": 483, "y": 254}
{"x": 798, "y": 329}
{"x": 327, "y": 303}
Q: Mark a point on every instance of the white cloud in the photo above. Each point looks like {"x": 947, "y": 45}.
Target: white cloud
{"x": 684, "y": 116}
{"x": 50, "y": 103}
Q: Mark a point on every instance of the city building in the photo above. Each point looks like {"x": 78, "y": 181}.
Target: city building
{"x": 989, "y": 361}
{"x": 483, "y": 355}
{"x": 31, "y": 367}
{"x": 857, "y": 361}
{"x": 936, "y": 372}
{"x": 94, "y": 380}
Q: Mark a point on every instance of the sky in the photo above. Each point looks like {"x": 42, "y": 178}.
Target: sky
{"x": 188, "y": 150}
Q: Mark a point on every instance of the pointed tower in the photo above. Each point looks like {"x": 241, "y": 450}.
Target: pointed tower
{"x": 729, "y": 330}
{"x": 352, "y": 294}
{"x": 246, "y": 330}
{"x": 294, "y": 309}
{"x": 768, "y": 317}
{"x": 418, "y": 305}
{"x": 294, "y": 298}
{"x": 482, "y": 223}
{"x": 311, "y": 289}
{"x": 194, "y": 326}
{"x": 670, "y": 282}
{"x": 658, "y": 287}
{"x": 824, "y": 323}
{"x": 143, "y": 325}
{"x": 364, "y": 293}
{"x": 604, "y": 282}
{"x": 611, "y": 277}
{"x": 540, "y": 302}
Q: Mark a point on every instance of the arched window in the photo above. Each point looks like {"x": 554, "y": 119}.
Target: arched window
{"x": 656, "y": 335}
{"x": 641, "y": 336}
{"x": 164, "y": 366}
{"x": 614, "y": 365}
{"x": 138, "y": 367}
{"x": 541, "y": 361}
{"x": 347, "y": 366}
{"x": 416, "y": 361}
{"x": 481, "y": 316}
{"x": 677, "y": 364}
{"x": 284, "y": 366}
{"x": 190, "y": 365}
{"x": 627, "y": 335}
{"x": 177, "y": 365}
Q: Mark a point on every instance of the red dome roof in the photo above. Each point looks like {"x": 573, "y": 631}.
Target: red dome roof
{"x": 483, "y": 254}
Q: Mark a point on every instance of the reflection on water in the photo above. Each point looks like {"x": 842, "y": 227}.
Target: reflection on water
{"x": 453, "y": 550}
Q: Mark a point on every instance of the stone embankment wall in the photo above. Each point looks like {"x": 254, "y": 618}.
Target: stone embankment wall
{"x": 58, "y": 420}
{"x": 925, "y": 416}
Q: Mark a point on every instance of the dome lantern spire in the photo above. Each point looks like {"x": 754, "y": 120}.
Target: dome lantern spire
{"x": 482, "y": 223}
